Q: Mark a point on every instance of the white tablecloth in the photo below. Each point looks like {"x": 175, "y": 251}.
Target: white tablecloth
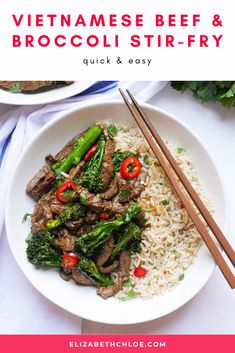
{"x": 23, "y": 310}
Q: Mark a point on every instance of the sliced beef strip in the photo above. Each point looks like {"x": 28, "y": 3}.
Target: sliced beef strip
{"x": 96, "y": 204}
{"x": 91, "y": 217}
{"x": 123, "y": 275}
{"x": 56, "y": 207}
{"x": 111, "y": 268}
{"x": 124, "y": 191}
{"x": 64, "y": 151}
{"x": 86, "y": 228}
{"x": 45, "y": 209}
{"x": 107, "y": 164}
{"x": 66, "y": 276}
{"x": 140, "y": 216}
{"x": 109, "y": 291}
{"x": 76, "y": 171}
{"x": 26, "y": 85}
{"x": 41, "y": 183}
{"x": 124, "y": 265}
{"x": 50, "y": 159}
{"x": 105, "y": 252}
{"x": 80, "y": 278}
{"x": 139, "y": 186}
{"x": 41, "y": 214}
{"x": 35, "y": 85}
{"x": 31, "y": 86}
{"x": 112, "y": 190}
{"x": 65, "y": 240}
{"x": 100, "y": 206}
{"x": 131, "y": 189}
{"x": 74, "y": 226}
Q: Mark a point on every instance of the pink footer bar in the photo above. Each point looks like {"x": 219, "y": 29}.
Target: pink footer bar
{"x": 117, "y": 343}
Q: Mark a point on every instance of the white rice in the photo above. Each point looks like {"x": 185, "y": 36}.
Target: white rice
{"x": 171, "y": 243}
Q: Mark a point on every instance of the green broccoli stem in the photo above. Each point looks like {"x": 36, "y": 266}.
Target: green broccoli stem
{"x": 97, "y": 158}
{"x": 51, "y": 263}
{"x": 89, "y": 268}
{"x": 53, "y": 223}
{"x": 88, "y": 242}
{"x": 131, "y": 233}
{"x": 80, "y": 148}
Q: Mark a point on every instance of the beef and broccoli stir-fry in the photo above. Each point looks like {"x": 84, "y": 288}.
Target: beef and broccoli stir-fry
{"x": 86, "y": 221}
{"x": 32, "y": 86}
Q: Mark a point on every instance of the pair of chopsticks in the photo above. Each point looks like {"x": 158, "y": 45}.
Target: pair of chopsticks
{"x": 172, "y": 170}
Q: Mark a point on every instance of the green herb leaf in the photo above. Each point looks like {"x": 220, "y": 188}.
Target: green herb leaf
{"x": 157, "y": 164}
{"x": 135, "y": 247}
{"x": 148, "y": 210}
{"x": 112, "y": 131}
{"x": 228, "y": 99}
{"x": 119, "y": 157}
{"x": 181, "y": 277}
{"x": 29, "y": 237}
{"x": 209, "y": 91}
{"x": 146, "y": 159}
{"x": 177, "y": 254}
{"x": 165, "y": 202}
{"x": 127, "y": 283}
{"x": 129, "y": 295}
{"x": 26, "y": 216}
{"x": 123, "y": 193}
{"x": 15, "y": 87}
{"x": 68, "y": 194}
{"x": 180, "y": 149}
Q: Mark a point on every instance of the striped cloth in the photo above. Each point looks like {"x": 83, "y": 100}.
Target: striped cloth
{"x": 19, "y": 125}
{"x": 6, "y": 130}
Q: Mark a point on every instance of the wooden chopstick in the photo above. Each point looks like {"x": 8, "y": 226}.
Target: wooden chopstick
{"x": 188, "y": 186}
{"x": 137, "y": 113}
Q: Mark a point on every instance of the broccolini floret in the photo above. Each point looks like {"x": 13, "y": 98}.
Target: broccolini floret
{"x": 130, "y": 235}
{"x": 73, "y": 212}
{"x": 91, "y": 178}
{"x": 42, "y": 250}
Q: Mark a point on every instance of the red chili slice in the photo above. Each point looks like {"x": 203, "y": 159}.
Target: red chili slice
{"x": 130, "y": 168}
{"x": 140, "y": 272}
{"x": 90, "y": 153}
{"x": 64, "y": 187}
{"x": 69, "y": 260}
{"x": 104, "y": 216}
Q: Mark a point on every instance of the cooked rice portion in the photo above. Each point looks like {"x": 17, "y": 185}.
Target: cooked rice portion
{"x": 171, "y": 242}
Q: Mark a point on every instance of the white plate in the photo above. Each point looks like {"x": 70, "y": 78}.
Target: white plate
{"x": 49, "y": 96}
{"x": 83, "y": 301}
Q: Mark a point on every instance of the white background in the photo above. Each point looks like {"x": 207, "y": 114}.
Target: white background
{"x": 24, "y": 310}
{"x": 167, "y": 63}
